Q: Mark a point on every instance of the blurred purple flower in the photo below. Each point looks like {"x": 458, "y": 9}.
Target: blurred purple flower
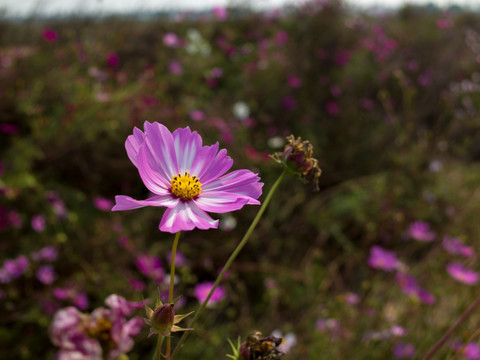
{"x": 288, "y": 102}
{"x": 151, "y": 266}
{"x": 294, "y": 81}
{"x": 13, "y": 268}
{"x": 103, "y": 204}
{"x": 367, "y": 104}
{"x": 136, "y": 285}
{"x": 342, "y": 57}
{"x": 180, "y": 259}
{"x": 171, "y": 40}
{"x": 220, "y": 13}
{"x": 46, "y": 274}
{"x": 382, "y": 259}
{"x": 8, "y": 129}
{"x": 38, "y": 222}
{"x": 47, "y": 253}
{"x": 175, "y": 67}
{"x": 113, "y": 60}
{"x": 332, "y": 108}
{"x": 197, "y": 115}
{"x": 202, "y": 289}
{"x": 79, "y": 299}
{"x": 456, "y": 247}
{"x": 471, "y": 351}
{"x": 329, "y": 326}
{"x": 165, "y": 161}
{"x": 403, "y": 351}
{"x": 87, "y": 336}
{"x": 408, "y": 284}
{"x": 50, "y": 35}
{"x": 420, "y": 231}
{"x": 281, "y": 37}
{"x": 461, "y": 274}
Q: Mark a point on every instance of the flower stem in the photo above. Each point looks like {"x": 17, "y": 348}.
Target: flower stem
{"x": 231, "y": 259}
{"x": 158, "y": 352}
{"x": 445, "y": 337}
{"x": 170, "y": 291}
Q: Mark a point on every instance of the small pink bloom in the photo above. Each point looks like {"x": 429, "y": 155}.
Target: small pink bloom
{"x": 175, "y": 67}
{"x": 50, "y": 35}
{"x": 456, "y": 247}
{"x": 197, "y": 115}
{"x": 202, "y": 290}
{"x": 171, "y": 40}
{"x": 103, "y": 204}
{"x": 461, "y": 274}
{"x": 220, "y": 13}
{"x": 420, "y": 231}
{"x": 382, "y": 259}
{"x": 38, "y": 223}
{"x": 294, "y": 81}
{"x": 403, "y": 351}
{"x": 113, "y": 60}
{"x": 46, "y": 274}
{"x": 332, "y": 108}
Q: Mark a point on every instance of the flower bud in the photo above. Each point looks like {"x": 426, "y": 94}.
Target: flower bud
{"x": 163, "y": 318}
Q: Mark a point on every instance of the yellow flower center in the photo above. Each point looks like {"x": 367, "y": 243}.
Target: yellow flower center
{"x": 186, "y": 187}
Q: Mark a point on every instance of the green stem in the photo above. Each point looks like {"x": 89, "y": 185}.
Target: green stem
{"x": 230, "y": 260}
{"x": 158, "y": 352}
{"x": 170, "y": 291}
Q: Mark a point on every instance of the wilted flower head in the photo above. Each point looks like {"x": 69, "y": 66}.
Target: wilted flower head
{"x": 106, "y": 333}
{"x": 187, "y": 178}
{"x": 297, "y": 158}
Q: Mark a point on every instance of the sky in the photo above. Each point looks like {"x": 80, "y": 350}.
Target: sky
{"x": 27, "y": 7}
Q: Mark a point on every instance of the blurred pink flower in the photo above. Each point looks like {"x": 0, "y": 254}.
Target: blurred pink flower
{"x": 103, "y": 204}
{"x": 470, "y": 351}
{"x": 151, "y": 266}
{"x": 197, "y": 115}
{"x": 294, "y": 81}
{"x": 8, "y": 129}
{"x": 165, "y": 161}
{"x": 46, "y": 274}
{"x": 281, "y": 37}
{"x": 220, "y": 13}
{"x": 113, "y": 60}
{"x": 461, "y": 274}
{"x": 420, "y": 231}
{"x": 382, "y": 259}
{"x": 202, "y": 289}
{"x": 403, "y": 351}
{"x": 409, "y": 286}
{"x": 175, "y": 67}
{"x": 50, "y": 35}
{"x": 47, "y": 253}
{"x": 38, "y": 222}
{"x": 332, "y": 108}
{"x": 171, "y": 40}
{"x": 456, "y": 247}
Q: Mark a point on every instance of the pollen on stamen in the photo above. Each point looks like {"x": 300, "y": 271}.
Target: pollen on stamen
{"x": 186, "y": 187}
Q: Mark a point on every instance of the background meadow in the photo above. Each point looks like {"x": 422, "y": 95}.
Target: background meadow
{"x": 377, "y": 265}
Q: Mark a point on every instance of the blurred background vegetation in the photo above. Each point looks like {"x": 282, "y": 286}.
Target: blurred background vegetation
{"x": 390, "y": 101}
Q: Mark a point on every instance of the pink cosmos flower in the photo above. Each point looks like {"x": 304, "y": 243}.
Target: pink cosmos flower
{"x": 420, "y": 231}
{"x": 403, "y": 351}
{"x": 409, "y": 286}
{"x": 202, "y": 289}
{"x": 187, "y": 178}
{"x": 461, "y": 274}
{"x": 46, "y": 274}
{"x": 456, "y": 247}
{"x": 382, "y": 259}
{"x": 49, "y": 35}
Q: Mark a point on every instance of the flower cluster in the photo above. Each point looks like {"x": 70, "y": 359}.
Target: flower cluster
{"x": 106, "y": 333}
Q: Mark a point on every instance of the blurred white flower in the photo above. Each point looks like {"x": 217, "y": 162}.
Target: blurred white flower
{"x": 241, "y": 110}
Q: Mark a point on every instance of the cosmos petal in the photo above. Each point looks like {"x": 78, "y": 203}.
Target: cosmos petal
{"x": 123, "y": 202}
{"x": 133, "y": 143}
{"x": 161, "y": 149}
{"x": 187, "y": 145}
{"x": 209, "y": 164}
{"x": 220, "y": 201}
{"x": 240, "y": 182}
{"x": 152, "y": 179}
{"x": 184, "y": 217}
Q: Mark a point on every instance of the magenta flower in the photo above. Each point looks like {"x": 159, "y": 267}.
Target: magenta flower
{"x": 38, "y": 223}
{"x": 471, "y": 351}
{"x": 456, "y": 247}
{"x": 187, "y": 178}
{"x": 461, "y": 274}
{"x": 420, "y": 231}
{"x": 49, "y": 35}
{"x": 382, "y": 259}
{"x": 171, "y": 40}
{"x": 409, "y": 286}
{"x": 102, "y": 203}
{"x": 403, "y": 351}
{"x": 47, "y": 253}
{"x": 202, "y": 289}
{"x": 46, "y": 274}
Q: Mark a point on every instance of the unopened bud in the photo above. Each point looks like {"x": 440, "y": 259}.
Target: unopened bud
{"x": 163, "y": 318}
